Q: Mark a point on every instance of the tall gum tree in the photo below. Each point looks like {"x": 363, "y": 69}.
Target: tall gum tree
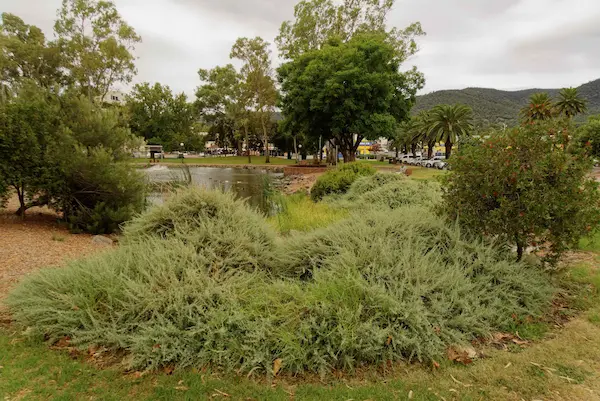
{"x": 97, "y": 45}
{"x": 259, "y": 84}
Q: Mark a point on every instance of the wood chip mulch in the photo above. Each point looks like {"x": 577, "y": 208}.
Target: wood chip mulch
{"x": 33, "y": 243}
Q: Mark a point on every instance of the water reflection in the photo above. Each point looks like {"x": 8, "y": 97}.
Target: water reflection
{"x": 246, "y": 184}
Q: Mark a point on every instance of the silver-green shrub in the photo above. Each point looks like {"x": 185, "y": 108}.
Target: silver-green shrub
{"x": 206, "y": 284}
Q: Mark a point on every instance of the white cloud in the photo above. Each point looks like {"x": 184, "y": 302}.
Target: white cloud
{"x": 506, "y": 44}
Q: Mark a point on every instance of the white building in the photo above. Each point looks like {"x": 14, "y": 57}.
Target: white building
{"x": 114, "y": 97}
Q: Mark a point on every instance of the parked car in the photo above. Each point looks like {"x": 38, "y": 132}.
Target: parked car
{"x": 441, "y": 164}
{"x": 416, "y": 161}
{"x": 432, "y": 162}
{"x": 405, "y": 159}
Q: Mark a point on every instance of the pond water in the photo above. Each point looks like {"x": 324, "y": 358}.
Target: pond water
{"x": 246, "y": 184}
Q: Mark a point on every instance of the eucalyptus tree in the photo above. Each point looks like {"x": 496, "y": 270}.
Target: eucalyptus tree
{"x": 259, "y": 89}
{"x": 97, "y": 45}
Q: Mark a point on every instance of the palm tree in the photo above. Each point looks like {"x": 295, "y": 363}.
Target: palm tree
{"x": 405, "y": 136}
{"x": 569, "y": 103}
{"x": 539, "y": 108}
{"x": 423, "y": 134}
{"x": 447, "y": 123}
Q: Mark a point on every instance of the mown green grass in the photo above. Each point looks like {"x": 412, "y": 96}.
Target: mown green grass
{"x": 233, "y": 160}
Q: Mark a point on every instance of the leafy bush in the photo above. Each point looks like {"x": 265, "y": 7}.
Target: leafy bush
{"x": 97, "y": 194}
{"x": 4, "y": 193}
{"x": 391, "y": 285}
{"x": 390, "y": 190}
{"x": 588, "y": 136}
{"x": 339, "y": 180}
{"x": 216, "y": 224}
{"x": 522, "y": 187}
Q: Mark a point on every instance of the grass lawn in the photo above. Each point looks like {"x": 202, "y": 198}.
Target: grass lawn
{"x": 222, "y": 160}
{"x": 562, "y": 366}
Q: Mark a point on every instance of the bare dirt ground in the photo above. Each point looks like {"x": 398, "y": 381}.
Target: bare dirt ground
{"x": 35, "y": 242}
{"x": 299, "y": 183}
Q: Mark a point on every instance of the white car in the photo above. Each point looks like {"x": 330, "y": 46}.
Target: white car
{"x": 416, "y": 161}
{"x": 434, "y": 161}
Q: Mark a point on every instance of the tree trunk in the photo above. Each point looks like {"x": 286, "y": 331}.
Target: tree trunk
{"x": 430, "y": 147}
{"x": 520, "y": 247}
{"x": 448, "y": 149}
{"x": 265, "y": 140}
{"x": 397, "y": 152}
{"x": 22, "y": 207}
{"x": 248, "y": 144}
{"x": 296, "y": 148}
{"x": 413, "y": 149}
{"x": 349, "y": 155}
{"x": 331, "y": 153}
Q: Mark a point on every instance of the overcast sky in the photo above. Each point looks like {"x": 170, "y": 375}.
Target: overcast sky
{"x": 504, "y": 44}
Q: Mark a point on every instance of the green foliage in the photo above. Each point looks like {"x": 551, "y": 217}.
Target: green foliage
{"x": 521, "y": 186}
{"x": 258, "y": 89}
{"x": 98, "y": 195}
{"x": 4, "y": 192}
{"x": 194, "y": 286}
{"x": 540, "y": 108}
{"x": 92, "y": 126}
{"x": 225, "y": 230}
{"x": 318, "y": 21}
{"x": 392, "y": 191}
{"x": 161, "y": 117}
{"x": 96, "y": 44}
{"x": 26, "y": 55}
{"x": 588, "y": 137}
{"x": 569, "y": 103}
{"x": 347, "y": 88}
{"x": 30, "y": 140}
{"x": 339, "y": 180}
{"x": 221, "y": 102}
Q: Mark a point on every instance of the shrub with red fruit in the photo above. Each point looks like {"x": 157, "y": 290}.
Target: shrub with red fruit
{"x": 522, "y": 187}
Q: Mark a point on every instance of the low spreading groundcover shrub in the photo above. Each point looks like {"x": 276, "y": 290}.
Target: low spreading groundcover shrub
{"x": 184, "y": 290}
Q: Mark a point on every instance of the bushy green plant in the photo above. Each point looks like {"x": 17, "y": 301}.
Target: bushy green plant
{"x": 588, "y": 137}
{"x": 98, "y": 194}
{"x": 523, "y": 187}
{"x": 339, "y": 180}
{"x": 366, "y": 184}
{"x": 379, "y": 286}
{"x": 390, "y": 190}
{"x": 215, "y": 223}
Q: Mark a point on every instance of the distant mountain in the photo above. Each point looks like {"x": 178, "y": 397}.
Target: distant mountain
{"x": 497, "y": 106}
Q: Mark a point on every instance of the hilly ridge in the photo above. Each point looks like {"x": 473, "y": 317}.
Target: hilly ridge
{"x": 498, "y": 106}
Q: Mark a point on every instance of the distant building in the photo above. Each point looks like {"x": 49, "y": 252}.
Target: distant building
{"x": 114, "y": 97}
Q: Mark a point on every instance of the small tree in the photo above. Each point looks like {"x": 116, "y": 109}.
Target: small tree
{"x": 160, "y": 116}
{"x": 29, "y": 145}
{"x": 522, "y": 187}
